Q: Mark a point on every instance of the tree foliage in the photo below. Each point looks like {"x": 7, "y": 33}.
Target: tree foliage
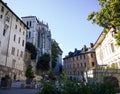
{"x": 43, "y": 62}
{"x": 29, "y": 72}
{"x": 63, "y": 76}
{"x": 70, "y": 87}
{"x": 108, "y": 16}
{"x": 32, "y": 49}
{"x": 55, "y": 53}
{"x": 51, "y": 75}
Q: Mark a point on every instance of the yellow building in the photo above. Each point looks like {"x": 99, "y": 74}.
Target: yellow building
{"x": 77, "y": 63}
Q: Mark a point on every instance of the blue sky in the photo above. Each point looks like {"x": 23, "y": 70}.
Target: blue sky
{"x": 67, "y": 19}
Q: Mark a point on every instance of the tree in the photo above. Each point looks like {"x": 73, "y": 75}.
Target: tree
{"x": 43, "y": 62}
{"x": 29, "y": 72}
{"x": 55, "y": 52}
{"x": 108, "y": 16}
{"x": 63, "y": 76}
{"x": 30, "y": 47}
{"x": 51, "y": 75}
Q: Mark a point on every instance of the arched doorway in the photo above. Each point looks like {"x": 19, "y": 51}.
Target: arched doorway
{"x": 112, "y": 80}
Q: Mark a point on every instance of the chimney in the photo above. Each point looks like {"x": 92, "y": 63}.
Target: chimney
{"x": 75, "y": 49}
{"x": 84, "y": 48}
{"x": 91, "y": 45}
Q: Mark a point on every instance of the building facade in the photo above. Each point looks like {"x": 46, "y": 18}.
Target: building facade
{"x": 38, "y": 34}
{"x": 78, "y": 62}
{"x": 107, "y": 51}
{"x": 12, "y": 43}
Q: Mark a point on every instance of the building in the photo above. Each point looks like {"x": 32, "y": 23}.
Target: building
{"x": 108, "y": 58}
{"x": 38, "y": 34}
{"x": 12, "y": 43}
{"x": 107, "y": 52}
{"x": 77, "y": 63}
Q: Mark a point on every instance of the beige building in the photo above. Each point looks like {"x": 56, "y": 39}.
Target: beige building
{"x": 107, "y": 52}
{"x": 78, "y": 62}
{"x": 12, "y": 43}
{"x": 108, "y": 59}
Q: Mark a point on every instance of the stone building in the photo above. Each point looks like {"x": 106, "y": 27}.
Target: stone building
{"x": 108, "y": 58}
{"x": 12, "y": 43}
{"x": 38, "y": 34}
{"x": 77, "y": 63}
{"x": 107, "y": 51}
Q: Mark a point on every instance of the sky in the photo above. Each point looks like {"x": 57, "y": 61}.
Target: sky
{"x": 67, "y": 20}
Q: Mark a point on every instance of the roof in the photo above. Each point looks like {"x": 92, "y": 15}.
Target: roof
{"x": 40, "y": 22}
{"x": 13, "y": 12}
{"x": 79, "y": 52}
{"x": 99, "y": 40}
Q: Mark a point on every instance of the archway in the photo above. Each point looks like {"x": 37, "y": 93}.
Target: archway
{"x": 111, "y": 80}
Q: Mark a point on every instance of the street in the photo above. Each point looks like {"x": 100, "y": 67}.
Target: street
{"x": 16, "y": 89}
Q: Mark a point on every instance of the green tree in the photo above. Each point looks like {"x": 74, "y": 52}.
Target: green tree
{"x": 108, "y": 16}
{"x": 29, "y": 72}
{"x": 55, "y": 52}
{"x": 51, "y": 75}
{"x": 30, "y": 47}
{"x": 43, "y": 62}
{"x": 63, "y": 76}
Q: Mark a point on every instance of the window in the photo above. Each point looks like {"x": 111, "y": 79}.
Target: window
{"x": 14, "y": 37}
{"x": 4, "y": 32}
{"x": 21, "y": 54}
{"x": 93, "y": 64}
{"x": 20, "y": 30}
{"x": 15, "y": 26}
{"x": 27, "y": 23}
{"x": 91, "y": 55}
{"x": 19, "y": 40}
{"x": 85, "y": 64}
{"x": 1, "y": 16}
{"x": 80, "y": 56}
{"x": 29, "y": 34}
{"x": 13, "y": 63}
{"x": 84, "y": 56}
{"x": 23, "y": 43}
{"x": 17, "y": 52}
{"x": 7, "y": 18}
{"x": 2, "y": 9}
{"x": 13, "y": 51}
{"x": 81, "y": 64}
{"x": 0, "y": 43}
{"x": 30, "y": 23}
{"x": 112, "y": 47}
{"x": 16, "y": 19}
{"x": 26, "y": 35}
{"x": 77, "y": 57}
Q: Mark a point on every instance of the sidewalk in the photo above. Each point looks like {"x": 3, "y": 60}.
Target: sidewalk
{"x": 16, "y": 89}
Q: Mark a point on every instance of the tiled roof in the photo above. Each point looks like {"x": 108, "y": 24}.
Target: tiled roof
{"x": 78, "y": 52}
